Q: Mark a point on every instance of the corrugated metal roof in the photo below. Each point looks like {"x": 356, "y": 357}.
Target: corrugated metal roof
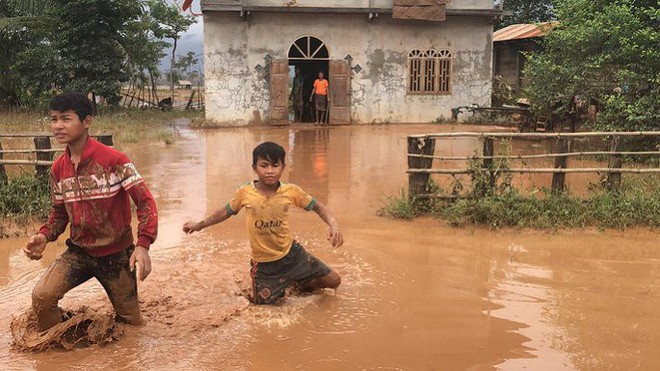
{"x": 523, "y": 31}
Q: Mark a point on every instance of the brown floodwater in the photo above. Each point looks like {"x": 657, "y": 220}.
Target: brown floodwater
{"x": 415, "y": 295}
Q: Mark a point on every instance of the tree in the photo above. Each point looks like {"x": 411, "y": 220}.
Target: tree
{"x": 88, "y": 36}
{"x": 172, "y": 24}
{"x": 606, "y": 50}
{"x": 526, "y": 11}
{"x": 91, "y": 46}
{"x": 185, "y": 64}
{"x": 23, "y": 24}
{"x": 144, "y": 50}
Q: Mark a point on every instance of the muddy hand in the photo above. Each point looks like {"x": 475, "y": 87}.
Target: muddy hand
{"x": 35, "y": 246}
{"x": 336, "y": 238}
{"x": 191, "y": 227}
{"x": 140, "y": 259}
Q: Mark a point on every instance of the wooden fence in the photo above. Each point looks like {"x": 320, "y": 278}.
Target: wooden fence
{"x": 45, "y": 153}
{"x": 421, "y": 154}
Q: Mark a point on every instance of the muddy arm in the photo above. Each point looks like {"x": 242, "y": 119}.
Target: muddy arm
{"x": 57, "y": 222}
{"x": 147, "y": 213}
{"x": 215, "y": 218}
{"x": 58, "y": 218}
{"x": 336, "y": 238}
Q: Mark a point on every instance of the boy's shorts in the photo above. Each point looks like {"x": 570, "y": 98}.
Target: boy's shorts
{"x": 270, "y": 279}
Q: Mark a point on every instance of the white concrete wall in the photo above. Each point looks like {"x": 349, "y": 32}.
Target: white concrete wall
{"x": 236, "y": 94}
{"x": 382, "y": 4}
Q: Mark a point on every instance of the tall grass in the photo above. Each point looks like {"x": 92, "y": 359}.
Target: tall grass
{"x": 24, "y": 197}
{"x": 635, "y": 203}
{"x": 599, "y": 209}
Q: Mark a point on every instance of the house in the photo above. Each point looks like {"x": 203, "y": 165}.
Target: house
{"x": 185, "y": 84}
{"x": 510, "y": 46}
{"x": 387, "y": 61}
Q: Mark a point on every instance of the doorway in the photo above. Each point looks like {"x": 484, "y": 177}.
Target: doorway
{"x": 311, "y": 56}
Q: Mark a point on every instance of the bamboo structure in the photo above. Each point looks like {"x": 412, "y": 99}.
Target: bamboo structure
{"x": 421, "y": 157}
{"x": 42, "y": 149}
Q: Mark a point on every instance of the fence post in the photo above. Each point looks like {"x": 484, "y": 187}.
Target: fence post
{"x": 489, "y": 151}
{"x": 42, "y": 143}
{"x": 561, "y": 162}
{"x": 615, "y": 162}
{"x": 190, "y": 100}
{"x": 105, "y": 139}
{"x": 3, "y": 172}
{"x": 417, "y": 181}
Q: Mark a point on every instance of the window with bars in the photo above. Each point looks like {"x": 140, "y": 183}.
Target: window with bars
{"x": 429, "y": 72}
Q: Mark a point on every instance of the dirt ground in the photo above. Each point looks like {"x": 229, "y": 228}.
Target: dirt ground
{"x": 415, "y": 295}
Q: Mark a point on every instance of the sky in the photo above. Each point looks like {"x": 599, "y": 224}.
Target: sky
{"x": 192, "y": 40}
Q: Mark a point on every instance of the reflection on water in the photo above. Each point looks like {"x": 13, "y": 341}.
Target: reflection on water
{"x": 415, "y": 295}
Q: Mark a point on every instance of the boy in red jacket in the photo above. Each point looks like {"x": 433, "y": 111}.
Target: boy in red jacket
{"x": 90, "y": 189}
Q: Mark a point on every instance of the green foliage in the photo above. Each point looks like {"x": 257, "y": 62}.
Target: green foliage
{"x": 502, "y": 92}
{"x": 605, "y": 50}
{"x": 185, "y": 64}
{"x": 171, "y": 24}
{"x": 634, "y": 206}
{"x": 604, "y": 210}
{"x": 87, "y": 37}
{"x": 25, "y": 196}
{"x": 85, "y": 45}
{"x": 400, "y": 207}
{"x": 635, "y": 203}
{"x": 526, "y": 11}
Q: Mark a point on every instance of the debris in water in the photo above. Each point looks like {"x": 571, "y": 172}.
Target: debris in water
{"x": 84, "y": 327}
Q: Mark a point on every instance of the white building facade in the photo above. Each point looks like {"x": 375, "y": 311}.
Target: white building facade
{"x": 381, "y": 69}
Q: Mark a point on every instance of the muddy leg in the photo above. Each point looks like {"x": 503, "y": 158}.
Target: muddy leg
{"x": 331, "y": 280}
{"x": 114, "y": 274}
{"x": 65, "y": 273}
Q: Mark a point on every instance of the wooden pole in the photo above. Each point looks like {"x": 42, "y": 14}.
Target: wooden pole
{"x": 489, "y": 143}
{"x": 130, "y": 104}
{"x": 3, "y": 172}
{"x": 561, "y": 162}
{"x": 515, "y": 170}
{"x": 190, "y": 100}
{"x": 615, "y": 162}
{"x": 105, "y": 139}
{"x": 471, "y": 134}
{"x": 43, "y": 143}
{"x": 417, "y": 182}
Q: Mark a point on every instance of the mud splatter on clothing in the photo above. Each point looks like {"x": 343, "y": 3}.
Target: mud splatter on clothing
{"x": 94, "y": 199}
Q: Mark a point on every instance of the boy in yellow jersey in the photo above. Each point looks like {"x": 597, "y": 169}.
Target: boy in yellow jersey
{"x": 277, "y": 259}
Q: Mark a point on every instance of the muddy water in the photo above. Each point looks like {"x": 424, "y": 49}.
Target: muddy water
{"x": 415, "y": 295}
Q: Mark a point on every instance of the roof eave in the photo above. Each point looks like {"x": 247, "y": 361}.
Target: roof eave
{"x": 206, "y": 8}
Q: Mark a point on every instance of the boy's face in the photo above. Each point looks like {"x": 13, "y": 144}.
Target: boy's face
{"x": 67, "y": 127}
{"x": 268, "y": 173}
{"x": 321, "y": 75}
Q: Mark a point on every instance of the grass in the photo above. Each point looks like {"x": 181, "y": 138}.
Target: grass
{"x": 24, "y": 197}
{"x": 637, "y": 204}
{"x": 126, "y": 125}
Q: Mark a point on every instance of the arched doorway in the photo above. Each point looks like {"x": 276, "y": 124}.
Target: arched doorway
{"x": 311, "y": 56}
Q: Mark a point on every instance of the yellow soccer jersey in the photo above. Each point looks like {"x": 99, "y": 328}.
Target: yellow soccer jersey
{"x": 268, "y": 218}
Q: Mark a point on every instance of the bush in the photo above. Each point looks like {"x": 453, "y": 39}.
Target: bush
{"x": 25, "y": 197}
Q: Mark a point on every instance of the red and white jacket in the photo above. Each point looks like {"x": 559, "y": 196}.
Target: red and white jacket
{"x": 95, "y": 201}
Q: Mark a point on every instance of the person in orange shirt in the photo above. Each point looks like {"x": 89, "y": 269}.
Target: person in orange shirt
{"x": 320, "y": 96}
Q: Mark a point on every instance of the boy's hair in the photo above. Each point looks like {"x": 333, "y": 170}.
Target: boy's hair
{"x": 72, "y": 101}
{"x": 269, "y": 151}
